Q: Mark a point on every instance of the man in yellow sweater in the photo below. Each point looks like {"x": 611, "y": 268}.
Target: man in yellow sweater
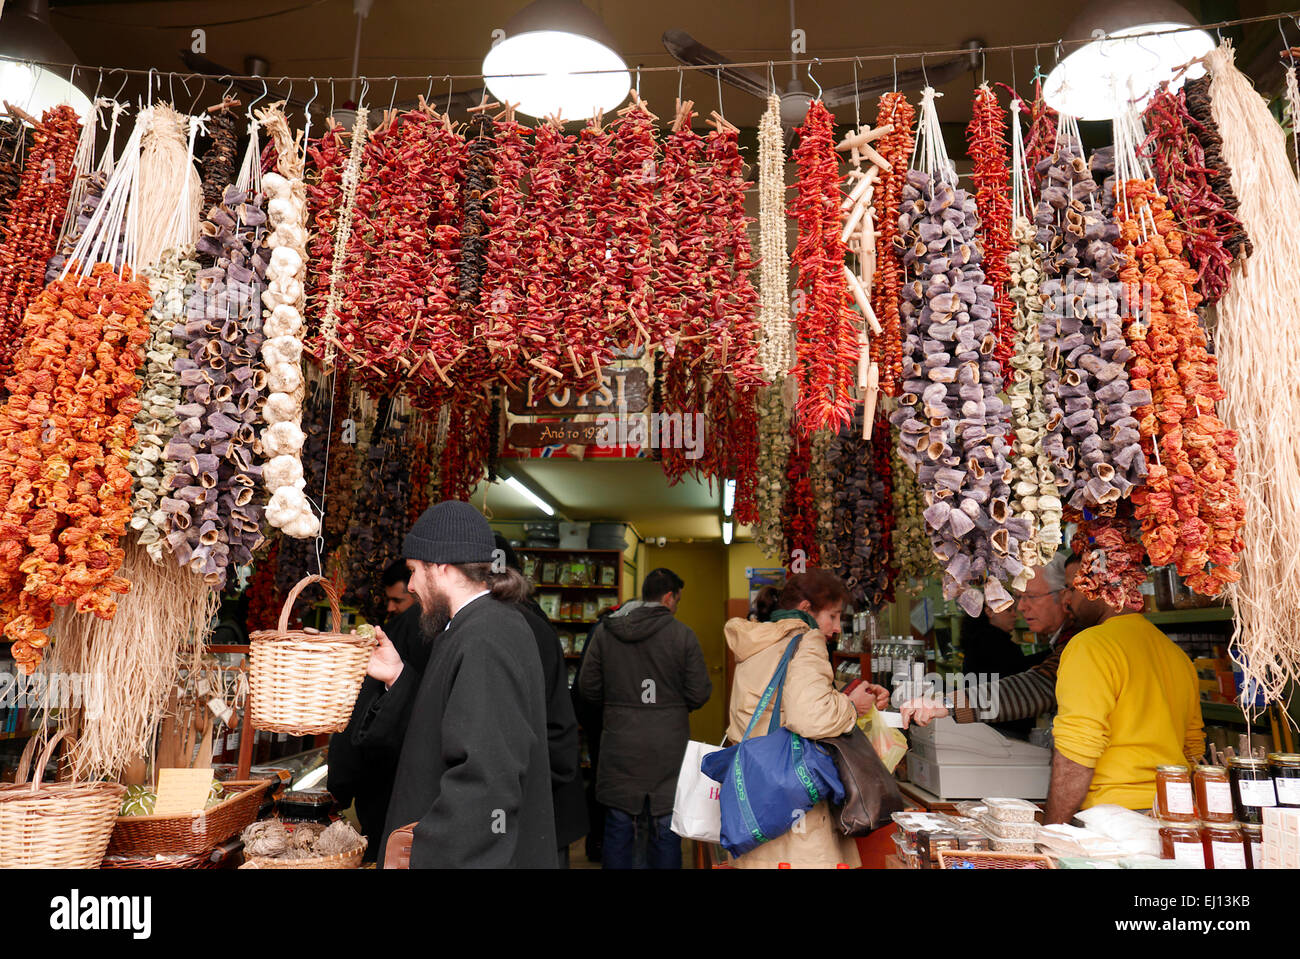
{"x": 1128, "y": 701}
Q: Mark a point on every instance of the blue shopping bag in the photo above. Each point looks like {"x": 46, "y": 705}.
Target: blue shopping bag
{"x": 768, "y": 779}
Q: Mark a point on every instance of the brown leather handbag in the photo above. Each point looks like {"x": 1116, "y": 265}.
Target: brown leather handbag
{"x": 397, "y": 854}
{"x": 871, "y": 793}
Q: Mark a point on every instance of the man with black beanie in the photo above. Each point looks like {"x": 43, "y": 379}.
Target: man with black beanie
{"x": 474, "y": 775}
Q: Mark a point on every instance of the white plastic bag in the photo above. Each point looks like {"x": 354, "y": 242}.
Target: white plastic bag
{"x": 697, "y": 810}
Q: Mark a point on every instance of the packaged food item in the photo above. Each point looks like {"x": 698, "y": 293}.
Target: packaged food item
{"x": 589, "y": 610}
{"x": 1225, "y": 846}
{"x": 529, "y": 564}
{"x": 1011, "y": 810}
{"x": 907, "y": 853}
{"x": 548, "y": 572}
{"x": 1213, "y": 794}
{"x": 1285, "y": 770}
{"x": 1013, "y": 845}
{"x": 929, "y": 844}
{"x": 1254, "y": 836}
{"x": 1010, "y": 830}
{"x": 973, "y": 840}
{"x": 1174, "y": 799}
{"x": 1182, "y": 843}
{"x": 608, "y": 574}
{"x": 970, "y": 808}
{"x": 1252, "y": 789}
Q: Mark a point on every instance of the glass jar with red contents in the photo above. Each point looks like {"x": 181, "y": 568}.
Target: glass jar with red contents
{"x": 1225, "y": 846}
{"x": 1254, "y": 836}
{"x": 1182, "y": 843}
{"x": 1213, "y": 794}
{"x": 1174, "y": 801}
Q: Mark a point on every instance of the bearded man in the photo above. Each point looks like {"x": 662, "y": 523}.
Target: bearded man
{"x": 473, "y": 775}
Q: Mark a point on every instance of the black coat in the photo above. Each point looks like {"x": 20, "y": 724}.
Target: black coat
{"x": 561, "y": 731}
{"x": 648, "y": 672}
{"x": 361, "y": 769}
{"x": 474, "y": 772}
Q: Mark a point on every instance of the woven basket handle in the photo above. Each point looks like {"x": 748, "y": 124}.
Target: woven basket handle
{"x": 25, "y": 760}
{"x": 293, "y": 596}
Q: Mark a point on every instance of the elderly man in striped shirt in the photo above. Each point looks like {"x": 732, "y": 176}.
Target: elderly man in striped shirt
{"x": 1031, "y": 693}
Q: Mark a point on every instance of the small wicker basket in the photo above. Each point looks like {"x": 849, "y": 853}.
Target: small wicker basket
{"x": 177, "y": 835}
{"x": 55, "y": 825}
{"x": 980, "y": 859}
{"x": 304, "y": 682}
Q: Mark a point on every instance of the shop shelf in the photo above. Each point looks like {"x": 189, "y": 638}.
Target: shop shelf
{"x": 1230, "y": 713}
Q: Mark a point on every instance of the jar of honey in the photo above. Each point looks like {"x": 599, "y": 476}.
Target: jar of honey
{"x": 1225, "y": 846}
{"x": 1182, "y": 843}
{"x": 1254, "y": 836}
{"x": 1285, "y": 770}
{"x": 1174, "y": 794}
{"x": 1252, "y": 789}
{"x": 1213, "y": 794}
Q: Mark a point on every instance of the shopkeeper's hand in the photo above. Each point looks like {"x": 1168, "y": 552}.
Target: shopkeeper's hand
{"x": 868, "y": 696}
{"x": 922, "y": 711}
{"x": 385, "y": 662}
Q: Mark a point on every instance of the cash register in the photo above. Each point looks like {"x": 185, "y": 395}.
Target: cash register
{"x": 969, "y": 760}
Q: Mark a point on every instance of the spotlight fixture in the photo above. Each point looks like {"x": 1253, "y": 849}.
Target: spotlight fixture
{"x": 539, "y": 64}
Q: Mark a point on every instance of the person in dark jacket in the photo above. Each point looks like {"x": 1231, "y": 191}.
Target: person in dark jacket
{"x": 362, "y": 768}
{"x": 647, "y": 671}
{"x": 474, "y": 771}
{"x": 561, "y": 723}
{"x": 396, "y": 589}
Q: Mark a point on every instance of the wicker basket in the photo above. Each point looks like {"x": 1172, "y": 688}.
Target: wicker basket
{"x": 979, "y": 859}
{"x": 54, "y": 825}
{"x": 304, "y": 682}
{"x": 202, "y": 860}
{"x": 344, "y": 860}
{"x": 174, "y": 835}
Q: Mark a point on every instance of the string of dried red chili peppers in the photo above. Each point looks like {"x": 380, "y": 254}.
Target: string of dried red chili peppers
{"x": 799, "y": 508}
{"x": 826, "y": 346}
{"x": 987, "y": 137}
{"x": 1181, "y": 171}
{"x": 625, "y": 224}
{"x": 546, "y": 236}
{"x": 508, "y": 331}
{"x": 31, "y": 231}
{"x": 896, "y": 147}
{"x": 1040, "y": 132}
{"x": 328, "y": 156}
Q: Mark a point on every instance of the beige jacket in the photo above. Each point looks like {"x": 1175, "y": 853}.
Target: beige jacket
{"x": 810, "y": 707}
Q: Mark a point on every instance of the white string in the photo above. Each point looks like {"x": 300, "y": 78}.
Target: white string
{"x": 1021, "y": 181}
{"x": 103, "y": 234}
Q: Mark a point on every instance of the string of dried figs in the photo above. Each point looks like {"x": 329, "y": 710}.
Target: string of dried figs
{"x": 67, "y": 435}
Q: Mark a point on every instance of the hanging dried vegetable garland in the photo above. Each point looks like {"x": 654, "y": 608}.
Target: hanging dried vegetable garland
{"x": 986, "y": 135}
{"x": 893, "y": 111}
{"x": 774, "y": 257}
{"x": 1218, "y": 174}
{"x": 864, "y": 514}
{"x": 379, "y": 518}
{"x": 826, "y": 325}
{"x": 358, "y": 148}
{"x": 775, "y": 410}
{"x": 288, "y": 509}
{"x": 1091, "y": 434}
{"x": 67, "y": 434}
{"x": 1034, "y": 494}
{"x": 30, "y": 231}
{"x": 509, "y": 332}
{"x": 478, "y": 181}
{"x": 346, "y": 455}
{"x": 1112, "y": 568}
{"x": 1214, "y": 235}
{"x": 799, "y": 507}
{"x": 397, "y": 321}
{"x": 328, "y": 158}
{"x": 216, "y": 514}
{"x": 1190, "y": 508}
{"x": 951, "y": 419}
{"x": 625, "y": 225}
{"x": 15, "y": 140}
{"x": 171, "y": 284}
{"x": 911, "y": 550}
{"x": 219, "y": 160}
{"x": 822, "y": 490}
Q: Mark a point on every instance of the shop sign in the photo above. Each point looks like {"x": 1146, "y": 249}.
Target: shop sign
{"x": 621, "y": 390}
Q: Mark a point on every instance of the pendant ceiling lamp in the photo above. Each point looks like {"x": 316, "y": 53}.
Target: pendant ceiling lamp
{"x": 27, "y": 39}
{"x": 1097, "y": 81}
{"x": 555, "y": 41}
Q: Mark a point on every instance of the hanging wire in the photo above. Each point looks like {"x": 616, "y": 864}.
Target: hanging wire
{"x": 857, "y": 99}
{"x": 1061, "y": 45}
{"x": 813, "y": 78}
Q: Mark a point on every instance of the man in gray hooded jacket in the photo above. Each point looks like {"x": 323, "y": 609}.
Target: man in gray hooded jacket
{"x": 647, "y": 671}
